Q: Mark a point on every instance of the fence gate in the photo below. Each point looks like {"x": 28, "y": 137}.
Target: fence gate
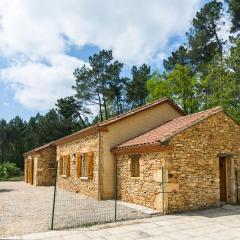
{"x": 74, "y": 209}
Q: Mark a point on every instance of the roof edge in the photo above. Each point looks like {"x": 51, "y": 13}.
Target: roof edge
{"x": 35, "y": 150}
{"x": 141, "y": 109}
{"x": 145, "y": 148}
{"x": 84, "y": 132}
{"x": 217, "y": 110}
{"x": 101, "y": 126}
{"x": 166, "y": 139}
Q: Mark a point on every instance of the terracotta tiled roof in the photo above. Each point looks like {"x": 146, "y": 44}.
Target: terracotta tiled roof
{"x": 94, "y": 129}
{"x": 35, "y": 150}
{"x": 112, "y": 120}
{"x": 169, "y": 129}
{"x": 142, "y": 108}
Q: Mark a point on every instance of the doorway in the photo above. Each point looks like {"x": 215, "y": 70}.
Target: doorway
{"x": 223, "y": 181}
{"x": 30, "y": 171}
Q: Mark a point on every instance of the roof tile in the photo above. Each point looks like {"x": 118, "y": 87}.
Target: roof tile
{"x": 169, "y": 129}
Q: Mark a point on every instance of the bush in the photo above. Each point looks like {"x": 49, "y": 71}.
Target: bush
{"x": 8, "y": 170}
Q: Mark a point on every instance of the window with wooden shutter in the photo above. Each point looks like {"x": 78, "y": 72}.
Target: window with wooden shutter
{"x": 79, "y": 164}
{"x": 60, "y": 165}
{"x": 84, "y": 165}
{"x": 135, "y": 166}
{"x": 90, "y": 165}
{"x": 67, "y": 163}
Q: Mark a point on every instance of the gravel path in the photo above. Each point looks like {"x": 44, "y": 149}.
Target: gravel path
{"x": 27, "y": 209}
{"x": 24, "y": 208}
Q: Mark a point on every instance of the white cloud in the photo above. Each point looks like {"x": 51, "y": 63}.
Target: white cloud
{"x": 36, "y": 85}
{"x": 41, "y": 29}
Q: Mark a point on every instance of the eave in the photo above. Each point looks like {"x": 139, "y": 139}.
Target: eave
{"x": 148, "y": 148}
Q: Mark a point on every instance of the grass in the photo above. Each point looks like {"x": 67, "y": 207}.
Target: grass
{"x": 14, "y": 178}
{"x": 18, "y": 178}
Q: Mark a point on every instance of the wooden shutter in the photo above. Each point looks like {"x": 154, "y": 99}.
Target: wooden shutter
{"x": 134, "y": 168}
{"x": 60, "y": 165}
{"x": 67, "y": 165}
{"x": 90, "y": 165}
{"x": 79, "y": 159}
{"x": 26, "y": 170}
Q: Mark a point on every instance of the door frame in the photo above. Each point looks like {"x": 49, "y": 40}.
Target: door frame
{"x": 223, "y": 179}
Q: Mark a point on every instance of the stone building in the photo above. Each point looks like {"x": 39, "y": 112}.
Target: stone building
{"x": 39, "y": 165}
{"x": 85, "y": 161}
{"x": 190, "y": 162}
{"x": 156, "y": 155}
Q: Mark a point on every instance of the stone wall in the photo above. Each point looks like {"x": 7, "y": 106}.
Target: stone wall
{"x": 124, "y": 130}
{"x": 74, "y": 183}
{"x": 45, "y": 170}
{"x": 146, "y": 189}
{"x": 194, "y": 167}
{"x": 43, "y": 166}
{"x": 191, "y": 169}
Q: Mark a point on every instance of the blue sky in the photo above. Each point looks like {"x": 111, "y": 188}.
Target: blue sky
{"x": 42, "y": 42}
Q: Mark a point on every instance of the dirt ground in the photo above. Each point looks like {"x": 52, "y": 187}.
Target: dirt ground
{"x": 27, "y": 209}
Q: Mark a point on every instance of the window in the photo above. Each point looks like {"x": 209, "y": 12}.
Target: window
{"x": 64, "y": 166}
{"x": 84, "y": 165}
{"x": 135, "y": 166}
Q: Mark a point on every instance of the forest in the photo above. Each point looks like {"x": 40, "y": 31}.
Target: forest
{"x": 202, "y": 73}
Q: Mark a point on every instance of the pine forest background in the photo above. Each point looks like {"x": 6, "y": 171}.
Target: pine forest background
{"x": 202, "y": 73}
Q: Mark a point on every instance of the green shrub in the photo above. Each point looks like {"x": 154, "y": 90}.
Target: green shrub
{"x": 8, "y": 170}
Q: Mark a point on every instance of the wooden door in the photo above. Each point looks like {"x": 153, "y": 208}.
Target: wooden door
{"x": 222, "y": 175}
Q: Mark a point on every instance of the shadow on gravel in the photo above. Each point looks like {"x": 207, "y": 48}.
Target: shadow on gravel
{"x": 6, "y": 190}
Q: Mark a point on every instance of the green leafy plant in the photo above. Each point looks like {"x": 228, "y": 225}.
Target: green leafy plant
{"x": 8, "y": 170}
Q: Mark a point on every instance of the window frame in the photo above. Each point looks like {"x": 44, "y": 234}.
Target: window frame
{"x": 135, "y": 166}
{"x": 64, "y": 169}
{"x": 84, "y": 159}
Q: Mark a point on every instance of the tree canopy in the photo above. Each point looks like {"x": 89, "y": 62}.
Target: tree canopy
{"x": 203, "y": 72}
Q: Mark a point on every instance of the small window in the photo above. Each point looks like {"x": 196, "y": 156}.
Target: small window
{"x": 84, "y": 165}
{"x": 51, "y": 164}
{"x": 64, "y": 166}
{"x": 135, "y": 166}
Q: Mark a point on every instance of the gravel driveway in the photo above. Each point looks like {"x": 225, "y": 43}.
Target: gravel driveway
{"x": 24, "y": 208}
{"x": 27, "y": 209}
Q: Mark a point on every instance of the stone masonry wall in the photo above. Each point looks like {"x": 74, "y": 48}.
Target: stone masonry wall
{"x": 43, "y": 166}
{"x": 191, "y": 169}
{"x": 74, "y": 183}
{"x": 45, "y": 170}
{"x": 146, "y": 189}
{"x": 194, "y": 167}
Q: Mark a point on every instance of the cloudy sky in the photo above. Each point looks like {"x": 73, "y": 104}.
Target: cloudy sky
{"x": 42, "y": 42}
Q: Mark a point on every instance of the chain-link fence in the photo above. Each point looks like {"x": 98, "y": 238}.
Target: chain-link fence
{"x": 75, "y": 209}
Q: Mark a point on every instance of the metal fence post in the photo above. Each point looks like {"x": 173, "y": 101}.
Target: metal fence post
{"x": 236, "y": 174}
{"x": 54, "y": 194}
{"x": 163, "y": 189}
{"x": 116, "y": 190}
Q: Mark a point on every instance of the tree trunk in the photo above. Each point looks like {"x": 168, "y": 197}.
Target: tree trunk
{"x": 105, "y": 108}
{"x": 100, "y": 106}
{"x": 80, "y": 117}
{"x": 118, "y": 107}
